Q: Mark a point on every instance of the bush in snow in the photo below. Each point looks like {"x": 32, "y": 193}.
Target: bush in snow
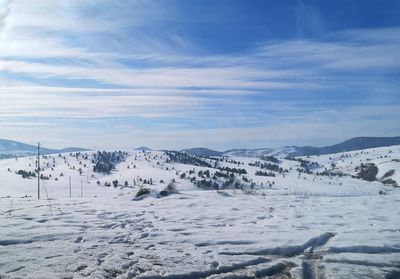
{"x": 264, "y": 173}
{"x": 26, "y": 174}
{"x": 115, "y": 183}
{"x": 390, "y": 181}
{"x": 367, "y": 172}
{"x": 142, "y": 191}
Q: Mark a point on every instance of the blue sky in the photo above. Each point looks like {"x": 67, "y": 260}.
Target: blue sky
{"x": 219, "y": 74}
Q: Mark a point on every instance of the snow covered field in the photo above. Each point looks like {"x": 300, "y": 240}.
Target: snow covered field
{"x": 293, "y": 225}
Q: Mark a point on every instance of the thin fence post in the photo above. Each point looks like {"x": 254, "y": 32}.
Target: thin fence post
{"x": 38, "y": 172}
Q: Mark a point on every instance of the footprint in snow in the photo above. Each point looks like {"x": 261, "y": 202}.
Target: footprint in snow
{"x": 79, "y": 239}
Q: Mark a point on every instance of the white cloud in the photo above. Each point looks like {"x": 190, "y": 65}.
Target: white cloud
{"x": 315, "y": 129}
{"x": 66, "y": 42}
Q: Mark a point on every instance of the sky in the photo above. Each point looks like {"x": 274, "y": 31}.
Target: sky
{"x": 185, "y": 73}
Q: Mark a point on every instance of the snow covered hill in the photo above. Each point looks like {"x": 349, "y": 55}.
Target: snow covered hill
{"x": 385, "y": 160}
{"x": 258, "y": 152}
{"x": 203, "y": 217}
{"x": 358, "y": 143}
{"x": 200, "y": 151}
{"x": 11, "y": 149}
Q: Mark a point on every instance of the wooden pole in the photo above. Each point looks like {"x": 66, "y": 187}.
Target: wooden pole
{"x": 70, "y": 195}
{"x": 81, "y": 188}
{"x": 38, "y": 167}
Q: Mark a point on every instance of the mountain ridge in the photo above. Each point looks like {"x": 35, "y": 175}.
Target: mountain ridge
{"x": 202, "y": 151}
{"x": 145, "y": 148}
{"x": 353, "y": 144}
{"x": 11, "y": 146}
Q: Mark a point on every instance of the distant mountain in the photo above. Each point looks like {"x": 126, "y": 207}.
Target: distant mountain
{"x": 257, "y": 152}
{"x": 8, "y": 146}
{"x": 353, "y": 144}
{"x": 200, "y": 151}
{"x": 14, "y": 147}
{"x": 72, "y": 149}
{"x": 144, "y": 148}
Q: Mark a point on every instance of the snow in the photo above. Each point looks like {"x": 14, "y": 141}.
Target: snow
{"x": 303, "y": 226}
{"x": 385, "y": 158}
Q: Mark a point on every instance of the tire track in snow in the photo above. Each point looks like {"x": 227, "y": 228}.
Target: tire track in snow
{"x": 287, "y": 251}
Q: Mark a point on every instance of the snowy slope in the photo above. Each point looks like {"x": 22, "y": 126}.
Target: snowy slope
{"x": 358, "y": 143}
{"x": 385, "y": 158}
{"x": 288, "y": 226}
{"x": 12, "y": 149}
{"x": 249, "y": 152}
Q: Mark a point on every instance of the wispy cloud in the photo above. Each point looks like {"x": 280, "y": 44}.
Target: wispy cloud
{"x": 97, "y": 60}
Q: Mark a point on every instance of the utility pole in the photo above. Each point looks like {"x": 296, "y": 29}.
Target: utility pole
{"x": 38, "y": 173}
